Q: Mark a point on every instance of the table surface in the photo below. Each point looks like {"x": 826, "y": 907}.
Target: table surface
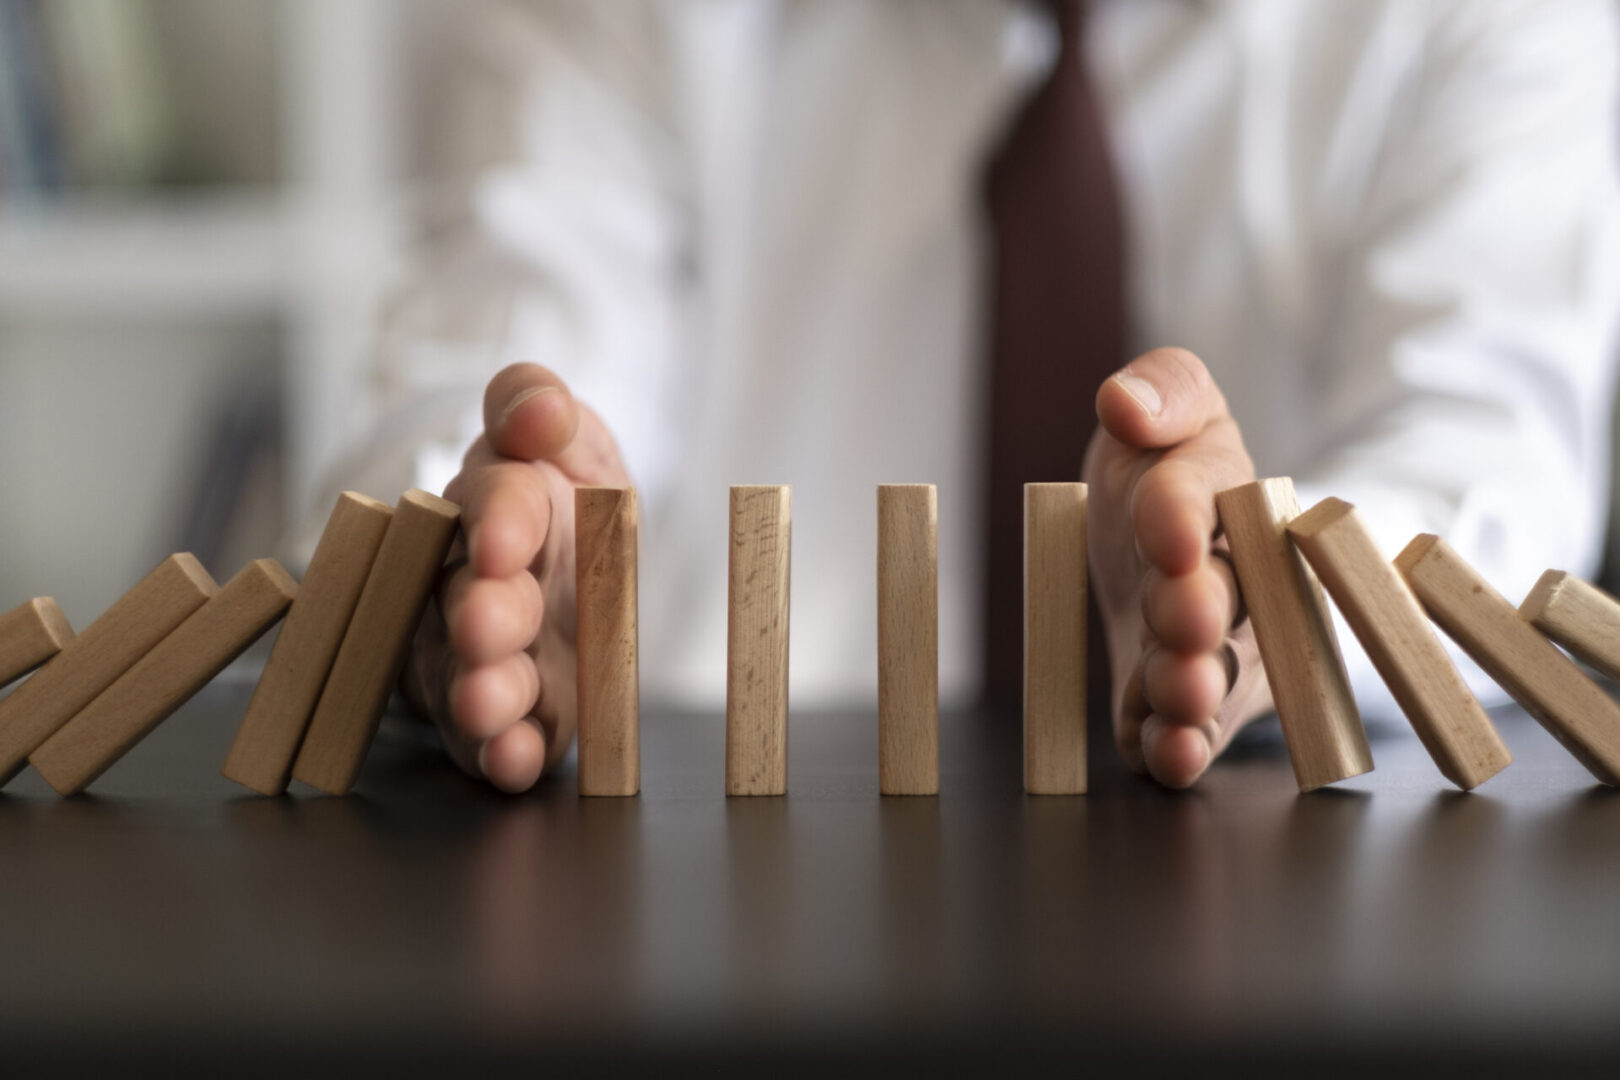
{"x": 426, "y": 918}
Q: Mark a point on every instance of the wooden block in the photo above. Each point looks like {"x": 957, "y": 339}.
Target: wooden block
{"x": 165, "y": 678}
{"x": 606, "y": 522}
{"x": 1572, "y": 707}
{"x": 91, "y": 662}
{"x": 1581, "y": 617}
{"x": 262, "y": 755}
{"x": 31, "y": 634}
{"x": 757, "y": 641}
{"x": 1403, "y": 646}
{"x": 908, "y": 640}
{"x": 1309, "y": 686}
{"x": 376, "y": 642}
{"x": 1055, "y": 639}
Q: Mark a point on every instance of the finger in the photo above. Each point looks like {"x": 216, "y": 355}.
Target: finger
{"x": 506, "y": 513}
{"x": 1184, "y": 689}
{"x": 486, "y": 700}
{"x": 1159, "y": 399}
{"x": 513, "y": 759}
{"x": 1172, "y": 504}
{"x": 529, "y": 415}
{"x": 1176, "y": 755}
{"x": 491, "y": 619}
{"x": 1191, "y": 612}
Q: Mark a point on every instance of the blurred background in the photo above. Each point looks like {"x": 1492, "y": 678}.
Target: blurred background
{"x": 201, "y": 202}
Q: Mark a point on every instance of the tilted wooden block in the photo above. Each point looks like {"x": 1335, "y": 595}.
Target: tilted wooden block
{"x": 1581, "y": 617}
{"x": 261, "y": 757}
{"x": 165, "y": 678}
{"x": 1055, "y": 639}
{"x": 375, "y": 644}
{"x": 91, "y": 662}
{"x": 606, "y": 524}
{"x": 31, "y": 634}
{"x": 908, "y": 640}
{"x": 1572, "y": 707}
{"x": 1309, "y": 686}
{"x": 1386, "y": 618}
{"x": 757, "y": 641}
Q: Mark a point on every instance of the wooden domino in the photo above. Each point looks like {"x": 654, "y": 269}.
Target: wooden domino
{"x": 1055, "y": 639}
{"x": 261, "y": 757}
{"x": 908, "y": 640}
{"x": 1581, "y": 617}
{"x": 31, "y": 634}
{"x": 1572, "y": 707}
{"x": 165, "y": 678}
{"x": 94, "y": 659}
{"x": 376, "y": 642}
{"x": 757, "y": 641}
{"x": 1401, "y": 643}
{"x": 606, "y": 523}
{"x": 1309, "y": 685}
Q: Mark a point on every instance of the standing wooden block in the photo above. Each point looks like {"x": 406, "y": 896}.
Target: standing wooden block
{"x": 606, "y": 523}
{"x": 908, "y": 640}
{"x": 1401, "y": 643}
{"x": 91, "y": 662}
{"x": 31, "y": 634}
{"x": 1055, "y": 639}
{"x": 1581, "y": 617}
{"x": 757, "y": 641}
{"x": 1573, "y": 708}
{"x": 165, "y": 678}
{"x": 1309, "y": 686}
{"x": 262, "y": 755}
{"x": 375, "y": 644}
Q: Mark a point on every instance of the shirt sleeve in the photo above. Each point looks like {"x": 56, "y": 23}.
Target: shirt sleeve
{"x": 1472, "y": 394}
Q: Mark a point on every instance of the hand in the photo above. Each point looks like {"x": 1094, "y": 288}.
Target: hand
{"x": 1186, "y": 672}
{"x": 494, "y": 660}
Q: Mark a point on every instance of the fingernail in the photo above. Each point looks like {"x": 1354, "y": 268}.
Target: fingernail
{"x": 1142, "y": 392}
{"x": 518, "y": 401}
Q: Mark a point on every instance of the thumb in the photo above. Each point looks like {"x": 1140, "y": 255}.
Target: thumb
{"x": 529, "y": 415}
{"x": 1161, "y": 398}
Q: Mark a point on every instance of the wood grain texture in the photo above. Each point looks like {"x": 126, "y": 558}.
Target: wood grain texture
{"x": 1055, "y": 639}
{"x": 606, "y": 524}
{"x": 376, "y": 641}
{"x": 1579, "y": 616}
{"x": 94, "y": 659}
{"x": 1309, "y": 686}
{"x": 1573, "y": 708}
{"x": 30, "y": 634}
{"x": 165, "y": 678}
{"x": 1401, "y": 643}
{"x": 908, "y": 639}
{"x": 757, "y": 640}
{"x": 261, "y": 757}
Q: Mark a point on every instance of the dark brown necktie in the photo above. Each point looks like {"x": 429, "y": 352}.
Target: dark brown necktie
{"x": 1057, "y": 320}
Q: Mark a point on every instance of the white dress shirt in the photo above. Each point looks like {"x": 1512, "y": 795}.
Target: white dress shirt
{"x": 749, "y": 233}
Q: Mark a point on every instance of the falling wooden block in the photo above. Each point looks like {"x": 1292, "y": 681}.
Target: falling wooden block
{"x": 908, "y": 640}
{"x": 1386, "y": 618}
{"x": 1581, "y": 617}
{"x": 757, "y": 641}
{"x": 91, "y": 662}
{"x": 1572, "y": 707}
{"x": 31, "y": 634}
{"x": 376, "y": 642}
{"x": 267, "y": 741}
{"x": 1309, "y": 685}
{"x": 165, "y": 678}
{"x": 1055, "y": 639}
{"x": 606, "y": 523}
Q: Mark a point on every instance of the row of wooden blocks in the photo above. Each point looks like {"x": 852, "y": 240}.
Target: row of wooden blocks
{"x": 329, "y": 677}
{"x": 324, "y": 687}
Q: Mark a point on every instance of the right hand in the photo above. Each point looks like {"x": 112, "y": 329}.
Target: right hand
{"x": 493, "y": 662}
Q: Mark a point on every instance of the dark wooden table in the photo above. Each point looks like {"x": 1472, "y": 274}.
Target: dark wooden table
{"x": 425, "y": 923}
